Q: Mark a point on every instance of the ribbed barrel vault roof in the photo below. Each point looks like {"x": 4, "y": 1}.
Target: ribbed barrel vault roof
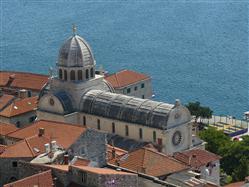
{"x": 125, "y": 108}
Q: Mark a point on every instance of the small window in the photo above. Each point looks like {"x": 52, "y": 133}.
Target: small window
{"x": 154, "y": 136}
{"x": 142, "y": 96}
{"x": 65, "y": 75}
{"x": 128, "y": 90}
{"x": 98, "y": 124}
{"x": 60, "y": 74}
{"x": 87, "y": 74}
{"x": 84, "y": 177}
{"x": 140, "y": 133}
{"x": 29, "y": 93}
{"x": 14, "y": 164}
{"x": 79, "y": 75}
{"x": 142, "y": 85}
{"x": 92, "y": 72}
{"x": 113, "y": 127}
{"x": 18, "y": 124}
{"x": 31, "y": 119}
{"x": 126, "y": 130}
{"x": 72, "y": 75}
{"x": 84, "y": 120}
{"x": 135, "y": 88}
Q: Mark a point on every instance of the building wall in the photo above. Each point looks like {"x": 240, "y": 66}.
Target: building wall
{"x": 214, "y": 172}
{"x": 104, "y": 180}
{"x": 9, "y": 169}
{"x": 20, "y": 120}
{"x": 145, "y": 92}
{"x": 90, "y": 145}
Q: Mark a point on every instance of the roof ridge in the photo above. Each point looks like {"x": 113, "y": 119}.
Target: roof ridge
{"x": 117, "y": 79}
{"x": 23, "y": 72}
{"x": 25, "y": 139}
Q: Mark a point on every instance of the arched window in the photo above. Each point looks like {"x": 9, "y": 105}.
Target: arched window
{"x": 98, "y": 124}
{"x": 91, "y": 72}
{"x": 140, "y": 133}
{"x": 72, "y": 75}
{"x": 60, "y": 74}
{"x": 65, "y": 75}
{"x": 113, "y": 127}
{"x": 154, "y": 136}
{"x": 126, "y": 130}
{"x": 79, "y": 74}
{"x": 84, "y": 120}
{"x": 87, "y": 74}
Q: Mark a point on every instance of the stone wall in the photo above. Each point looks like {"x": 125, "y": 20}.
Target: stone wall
{"x": 90, "y": 145}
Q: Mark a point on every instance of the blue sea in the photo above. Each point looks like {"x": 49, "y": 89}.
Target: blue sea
{"x": 194, "y": 50}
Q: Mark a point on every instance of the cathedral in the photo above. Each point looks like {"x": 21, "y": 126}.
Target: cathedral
{"x": 77, "y": 95}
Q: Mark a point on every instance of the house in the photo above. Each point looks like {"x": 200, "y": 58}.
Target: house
{"x": 205, "y": 163}
{"x": 12, "y": 82}
{"x": 18, "y": 111}
{"x": 131, "y": 83}
{"x": 48, "y": 141}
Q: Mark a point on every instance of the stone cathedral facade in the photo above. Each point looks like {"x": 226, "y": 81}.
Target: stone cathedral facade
{"x": 77, "y": 95}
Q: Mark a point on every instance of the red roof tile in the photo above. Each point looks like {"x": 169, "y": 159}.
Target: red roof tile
{"x": 43, "y": 179}
{"x": 5, "y": 100}
{"x": 27, "y": 148}
{"x": 65, "y": 134}
{"x": 20, "y": 106}
{"x": 23, "y": 80}
{"x": 7, "y": 128}
{"x": 118, "y": 151}
{"x": 151, "y": 162}
{"x": 81, "y": 162}
{"x": 125, "y": 78}
{"x": 196, "y": 157}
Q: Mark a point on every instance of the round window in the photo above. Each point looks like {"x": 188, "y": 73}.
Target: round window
{"x": 177, "y": 138}
{"x": 51, "y": 101}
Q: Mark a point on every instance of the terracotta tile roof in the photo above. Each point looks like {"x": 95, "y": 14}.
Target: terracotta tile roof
{"x": 118, "y": 151}
{"x": 63, "y": 168}
{"x": 5, "y": 100}
{"x": 125, "y": 78}
{"x": 65, "y": 134}
{"x": 236, "y": 184}
{"x": 43, "y": 179}
{"x": 2, "y": 148}
{"x": 196, "y": 157}
{"x": 7, "y": 128}
{"x": 151, "y": 162}
{"x": 101, "y": 171}
{"x": 20, "y": 106}
{"x": 27, "y": 148}
{"x": 23, "y": 80}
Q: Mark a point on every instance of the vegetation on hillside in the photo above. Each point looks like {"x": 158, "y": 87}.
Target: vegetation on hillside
{"x": 235, "y": 154}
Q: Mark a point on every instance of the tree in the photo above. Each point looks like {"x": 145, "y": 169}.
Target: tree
{"x": 199, "y": 111}
{"x": 235, "y": 154}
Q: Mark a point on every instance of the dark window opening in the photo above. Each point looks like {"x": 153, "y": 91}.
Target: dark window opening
{"x": 79, "y": 74}
{"x": 60, "y": 74}
{"x": 31, "y": 119}
{"x": 142, "y": 96}
{"x": 98, "y": 123}
{"x": 18, "y": 124}
{"x": 135, "y": 88}
{"x": 84, "y": 177}
{"x": 72, "y": 75}
{"x": 84, "y": 120}
{"x": 142, "y": 85}
{"x": 91, "y": 72}
{"x": 126, "y": 130}
{"x": 65, "y": 75}
{"x": 113, "y": 127}
{"x": 87, "y": 74}
{"x": 154, "y": 136}
{"x": 128, "y": 90}
{"x": 140, "y": 133}
{"x": 14, "y": 164}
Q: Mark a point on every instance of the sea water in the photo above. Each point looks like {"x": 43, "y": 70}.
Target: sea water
{"x": 194, "y": 50}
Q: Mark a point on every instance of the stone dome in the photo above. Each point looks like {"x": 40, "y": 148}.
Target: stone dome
{"x": 75, "y": 52}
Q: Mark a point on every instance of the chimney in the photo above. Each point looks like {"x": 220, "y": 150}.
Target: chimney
{"x": 53, "y": 146}
{"x": 23, "y": 93}
{"x": 41, "y": 132}
{"x": 47, "y": 148}
{"x": 66, "y": 159}
{"x": 192, "y": 158}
